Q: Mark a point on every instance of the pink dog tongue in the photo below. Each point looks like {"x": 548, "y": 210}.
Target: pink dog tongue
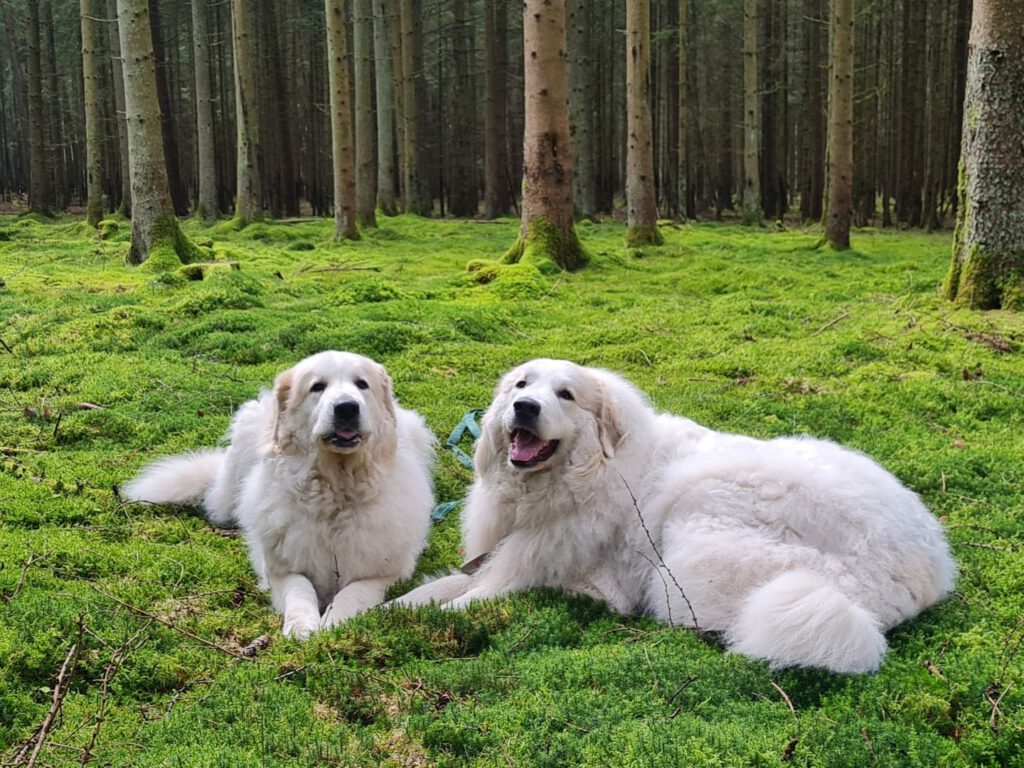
{"x": 346, "y": 434}
{"x": 525, "y": 446}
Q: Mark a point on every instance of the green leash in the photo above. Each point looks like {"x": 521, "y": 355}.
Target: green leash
{"x": 467, "y": 424}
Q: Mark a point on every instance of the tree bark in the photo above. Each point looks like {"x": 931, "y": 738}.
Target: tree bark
{"x": 751, "y": 121}
{"x": 463, "y": 191}
{"x": 341, "y": 123}
{"x": 249, "y": 188}
{"x": 40, "y": 193}
{"x": 53, "y": 138}
{"x": 840, "y": 131}
{"x": 684, "y": 208}
{"x": 987, "y": 269}
{"x": 92, "y": 50}
{"x": 155, "y": 231}
{"x": 206, "y": 205}
{"x": 366, "y": 169}
{"x": 497, "y": 186}
{"x": 117, "y": 75}
{"x": 547, "y": 231}
{"x": 386, "y": 194}
{"x": 415, "y": 199}
{"x": 642, "y": 211}
{"x": 581, "y": 107}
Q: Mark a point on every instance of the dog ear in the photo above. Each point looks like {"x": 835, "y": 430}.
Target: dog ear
{"x": 488, "y": 452}
{"x": 283, "y": 437}
{"x": 388, "y": 395}
{"x": 610, "y": 427}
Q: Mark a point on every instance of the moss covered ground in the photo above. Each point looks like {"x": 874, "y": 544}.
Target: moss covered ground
{"x": 104, "y": 367}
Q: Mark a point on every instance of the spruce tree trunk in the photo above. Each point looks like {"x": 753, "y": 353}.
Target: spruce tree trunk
{"x": 394, "y": 24}
{"x": 463, "y": 192}
{"x": 987, "y": 269}
{"x": 206, "y": 205}
{"x": 416, "y": 195}
{"x": 125, "y": 208}
{"x": 386, "y": 194}
{"x": 581, "y": 107}
{"x": 840, "y": 130}
{"x": 92, "y": 51}
{"x": 497, "y": 186}
{"x": 53, "y": 139}
{"x": 751, "y": 121}
{"x": 366, "y": 169}
{"x": 547, "y": 230}
{"x": 642, "y": 210}
{"x": 341, "y": 123}
{"x": 684, "y": 209}
{"x": 40, "y": 191}
{"x": 249, "y": 188}
{"x": 155, "y": 230}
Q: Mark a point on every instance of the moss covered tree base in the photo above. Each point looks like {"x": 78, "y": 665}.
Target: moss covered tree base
{"x": 639, "y": 235}
{"x": 985, "y": 280}
{"x": 163, "y": 245}
{"x": 545, "y": 245}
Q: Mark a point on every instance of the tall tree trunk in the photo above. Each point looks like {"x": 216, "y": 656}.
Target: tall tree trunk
{"x": 155, "y": 230}
{"x": 53, "y": 136}
{"x": 415, "y": 200}
{"x": 497, "y": 186}
{"x": 547, "y": 230}
{"x": 249, "y": 190}
{"x": 40, "y": 190}
{"x": 641, "y": 208}
{"x": 463, "y": 193}
{"x": 206, "y": 205}
{"x": 281, "y": 60}
{"x": 366, "y": 169}
{"x": 751, "y": 122}
{"x": 685, "y": 210}
{"x": 814, "y": 183}
{"x": 163, "y": 92}
{"x": 341, "y": 123}
{"x": 125, "y": 207}
{"x": 581, "y": 106}
{"x": 386, "y": 194}
{"x": 92, "y": 52}
{"x": 987, "y": 269}
{"x": 398, "y": 80}
{"x": 840, "y": 129}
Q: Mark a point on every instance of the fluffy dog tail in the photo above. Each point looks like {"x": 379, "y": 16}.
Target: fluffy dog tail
{"x": 182, "y": 479}
{"x": 801, "y": 619}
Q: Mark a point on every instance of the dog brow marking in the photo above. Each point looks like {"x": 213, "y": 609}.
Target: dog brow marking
{"x": 657, "y": 552}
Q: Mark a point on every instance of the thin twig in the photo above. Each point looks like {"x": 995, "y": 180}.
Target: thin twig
{"x": 785, "y": 698}
{"x": 169, "y": 624}
{"x": 6, "y": 346}
{"x": 830, "y": 323}
{"x": 686, "y": 684}
{"x": 32, "y": 558}
{"x": 661, "y": 559}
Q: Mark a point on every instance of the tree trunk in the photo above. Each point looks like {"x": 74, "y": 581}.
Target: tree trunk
{"x": 642, "y": 210}
{"x": 366, "y": 170}
{"x": 497, "y": 186}
{"x": 840, "y": 129}
{"x": 249, "y": 190}
{"x": 206, "y": 205}
{"x": 415, "y": 200}
{"x": 814, "y": 181}
{"x": 463, "y": 192}
{"x": 341, "y": 123}
{"x": 581, "y": 107}
{"x": 751, "y": 123}
{"x": 125, "y": 208}
{"x": 92, "y": 51}
{"x": 163, "y": 92}
{"x": 155, "y": 231}
{"x": 987, "y": 269}
{"x": 682, "y": 156}
{"x": 40, "y": 193}
{"x": 53, "y": 138}
{"x": 386, "y": 194}
{"x": 547, "y": 230}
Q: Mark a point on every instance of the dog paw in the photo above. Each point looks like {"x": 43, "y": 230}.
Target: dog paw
{"x": 300, "y": 627}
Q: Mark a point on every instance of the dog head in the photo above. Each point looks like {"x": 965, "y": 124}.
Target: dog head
{"x": 335, "y": 402}
{"x": 550, "y": 413}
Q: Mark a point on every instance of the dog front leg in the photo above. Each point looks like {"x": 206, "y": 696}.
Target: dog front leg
{"x": 438, "y": 591}
{"x": 295, "y": 597}
{"x": 356, "y": 598}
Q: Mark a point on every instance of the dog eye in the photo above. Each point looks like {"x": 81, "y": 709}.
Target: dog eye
{"x": 565, "y": 394}
{"x": 520, "y": 384}
{"x": 318, "y": 386}
{"x": 361, "y": 384}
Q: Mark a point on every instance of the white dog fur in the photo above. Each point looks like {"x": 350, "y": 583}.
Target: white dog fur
{"x": 795, "y": 550}
{"x": 329, "y": 479}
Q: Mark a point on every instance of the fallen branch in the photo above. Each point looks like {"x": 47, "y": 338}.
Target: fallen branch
{"x": 169, "y": 624}
{"x": 60, "y": 690}
{"x": 830, "y": 323}
{"x": 6, "y": 346}
{"x": 785, "y": 698}
{"x": 32, "y": 558}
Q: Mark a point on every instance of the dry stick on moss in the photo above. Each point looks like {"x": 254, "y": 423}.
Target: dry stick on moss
{"x": 60, "y": 690}
{"x": 169, "y": 624}
{"x": 661, "y": 559}
{"x": 32, "y": 558}
{"x": 785, "y": 698}
{"x": 117, "y": 658}
{"x": 830, "y": 323}
{"x": 6, "y": 346}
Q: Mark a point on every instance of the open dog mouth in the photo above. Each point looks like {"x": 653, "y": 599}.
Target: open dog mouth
{"x": 344, "y": 438}
{"x": 526, "y": 449}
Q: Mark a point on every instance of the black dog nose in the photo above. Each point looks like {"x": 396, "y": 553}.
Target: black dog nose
{"x": 524, "y": 406}
{"x": 347, "y": 409}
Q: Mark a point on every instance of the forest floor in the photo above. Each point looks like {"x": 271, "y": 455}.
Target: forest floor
{"x": 179, "y": 659}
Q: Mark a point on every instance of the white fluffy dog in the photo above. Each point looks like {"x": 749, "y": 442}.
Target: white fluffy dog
{"x": 328, "y": 478}
{"x": 796, "y": 550}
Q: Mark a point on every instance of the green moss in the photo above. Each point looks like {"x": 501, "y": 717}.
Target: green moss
{"x": 638, "y": 236}
{"x": 545, "y": 245}
{"x": 107, "y": 229}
